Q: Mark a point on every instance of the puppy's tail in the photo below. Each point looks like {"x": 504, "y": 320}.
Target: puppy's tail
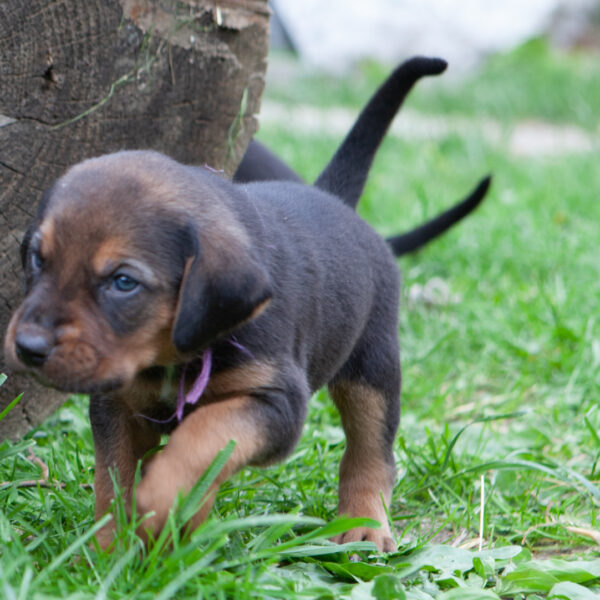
{"x": 413, "y": 240}
{"x": 346, "y": 173}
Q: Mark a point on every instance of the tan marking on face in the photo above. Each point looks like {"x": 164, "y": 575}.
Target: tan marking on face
{"x": 149, "y": 346}
{"x": 70, "y": 355}
{"x": 108, "y": 254}
{"x": 47, "y": 231}
{"x": 113, "y": 252}
{"x": 9, "y": 341}
{"x": 88, "y": 353}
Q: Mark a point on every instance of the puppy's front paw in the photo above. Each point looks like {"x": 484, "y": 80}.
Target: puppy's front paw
{"x": 156, "y": 494}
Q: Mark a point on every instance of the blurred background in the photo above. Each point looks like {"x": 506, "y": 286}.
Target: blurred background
{"x": 523, "y": 76}
{"x": 335, "y": 34}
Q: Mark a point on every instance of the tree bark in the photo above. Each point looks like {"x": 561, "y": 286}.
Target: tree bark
{"x": 79, "y": 79}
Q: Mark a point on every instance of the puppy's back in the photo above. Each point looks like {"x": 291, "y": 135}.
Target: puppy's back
{"x": 329, "y": 270}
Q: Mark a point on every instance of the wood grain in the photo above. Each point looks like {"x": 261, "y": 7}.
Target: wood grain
{"x": 79, "y": 79}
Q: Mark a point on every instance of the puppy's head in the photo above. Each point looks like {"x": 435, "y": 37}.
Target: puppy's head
{"x": 132, "y": 261}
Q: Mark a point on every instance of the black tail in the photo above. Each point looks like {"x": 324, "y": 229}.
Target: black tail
{"x": 413, "y": 240}
{"x": 346, "y": 173}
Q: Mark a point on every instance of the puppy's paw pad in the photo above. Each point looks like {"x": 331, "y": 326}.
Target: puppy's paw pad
{"x": 382, "y": 538}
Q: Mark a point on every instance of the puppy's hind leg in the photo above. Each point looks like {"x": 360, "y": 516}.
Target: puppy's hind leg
{"x": 370, "y": 412}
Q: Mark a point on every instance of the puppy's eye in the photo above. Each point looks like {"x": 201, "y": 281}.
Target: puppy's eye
{"x": 124, "y": 283}
{"x": 37, "y": 262}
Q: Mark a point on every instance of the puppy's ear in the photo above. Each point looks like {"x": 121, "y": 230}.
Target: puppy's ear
{"x": 219, "y": 291}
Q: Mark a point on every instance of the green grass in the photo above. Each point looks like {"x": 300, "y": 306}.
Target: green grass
{"x": 533, "y": 81}
{"x": 500, "y": 387}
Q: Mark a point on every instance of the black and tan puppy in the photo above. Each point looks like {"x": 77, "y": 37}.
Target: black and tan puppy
{"x": 184, "y": 303}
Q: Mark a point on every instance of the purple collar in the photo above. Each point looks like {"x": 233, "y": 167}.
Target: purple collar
{"x": 198, "y": 386}
{"x": 193, "y": 395}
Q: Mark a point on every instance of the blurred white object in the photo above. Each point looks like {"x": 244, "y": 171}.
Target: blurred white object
{"x": 436, "y": 292}
{"x": 524, "y": 138}
{"x": 336, "y": 33}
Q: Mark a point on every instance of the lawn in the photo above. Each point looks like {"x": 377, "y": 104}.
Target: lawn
{"x": 498, "y": 487}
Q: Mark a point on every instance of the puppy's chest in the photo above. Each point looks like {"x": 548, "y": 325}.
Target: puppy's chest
{"x": 157, "y": 392}
{"x": 159, "y": 388}
{"x": 153, "y": 394}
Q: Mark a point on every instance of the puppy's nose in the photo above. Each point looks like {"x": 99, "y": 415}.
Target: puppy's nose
{"x": 33, "y": 346}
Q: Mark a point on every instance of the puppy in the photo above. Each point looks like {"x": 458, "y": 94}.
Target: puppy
{"x": 186, "y": 304}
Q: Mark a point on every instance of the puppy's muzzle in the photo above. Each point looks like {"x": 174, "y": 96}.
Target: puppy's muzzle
{"x": 33, "y": 345}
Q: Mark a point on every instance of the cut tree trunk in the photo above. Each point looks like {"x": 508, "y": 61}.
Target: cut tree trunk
{"x": 79, "y": 79}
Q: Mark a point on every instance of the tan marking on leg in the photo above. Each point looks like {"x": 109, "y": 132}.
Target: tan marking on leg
{"x": 130, "y": 443}
{"x": 241, "y": 380}
{"x": 192, "y": 447}
{"x": 103, "y": 491}
{"x": 366, "y": 478}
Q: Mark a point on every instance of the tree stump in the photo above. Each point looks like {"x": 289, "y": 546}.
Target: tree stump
{"x": 79, "y": 79}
